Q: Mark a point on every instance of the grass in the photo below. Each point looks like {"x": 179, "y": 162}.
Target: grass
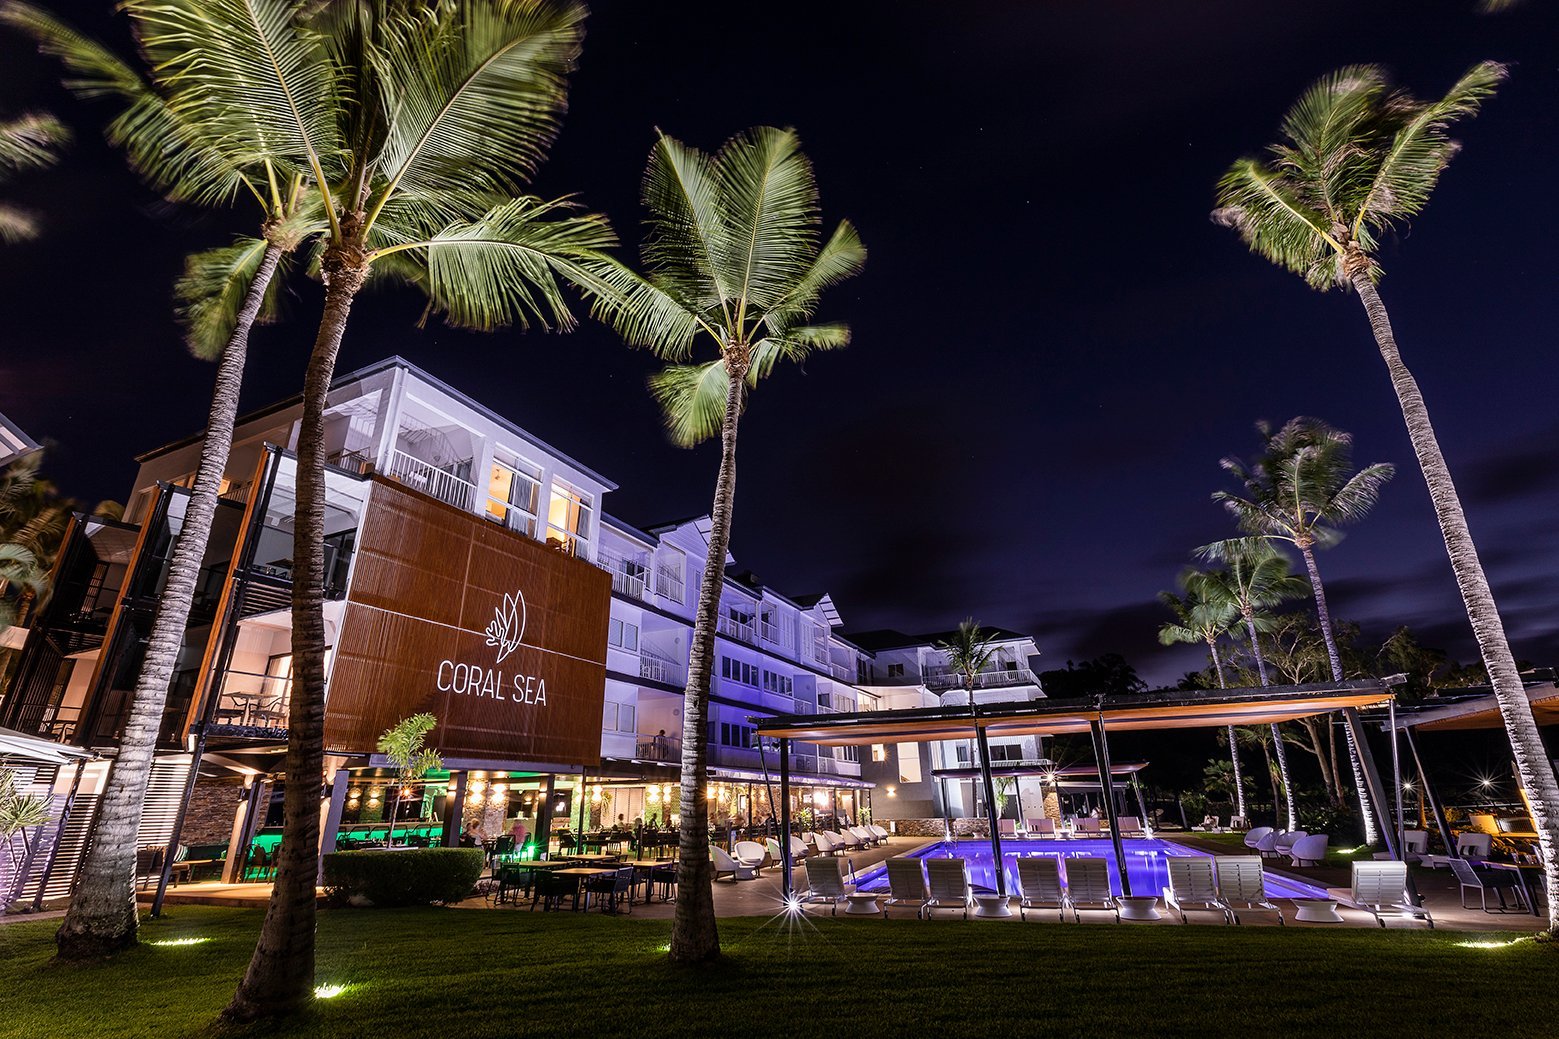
{"x": 450, "y": 973}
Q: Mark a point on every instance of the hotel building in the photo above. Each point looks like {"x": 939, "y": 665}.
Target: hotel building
{"x": 472, "y": 571}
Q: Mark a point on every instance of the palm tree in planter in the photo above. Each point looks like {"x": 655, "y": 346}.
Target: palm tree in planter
{"x": 1256, "y": 578}
{"x": 415, "y": 127}
{"x": 27, "y": 142}
{"x": 222, "y": 293}
{"x": 733, "y": 257}
{"x": 405, "y": 745}
{"x": 19, "y": 813}
{"x": 1205, "y": 614}
{"x": 1301, "y": 489}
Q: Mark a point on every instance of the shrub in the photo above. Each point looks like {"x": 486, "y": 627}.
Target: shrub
{"x": 415, "y": 876}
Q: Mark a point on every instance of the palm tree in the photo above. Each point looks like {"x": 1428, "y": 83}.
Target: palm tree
{"x": 733, "y": 253}
{"x": 1358, "y": 158}
{"x": 414, "y": 127}
{"x": 222, "y": 293}
{"x": 405, "y": 745}
{"x": 968, "y": 651}
{"x": 27, "y": 142}
{"x": 1300, "y": 490}
{"x": 1256, "y": 578}
{"x": 1205, "y": 614}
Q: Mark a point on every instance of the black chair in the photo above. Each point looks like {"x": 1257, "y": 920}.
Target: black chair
{"x": 550, "y": 890}
{"x": 1483, "y": 881}
{"x": 616, "y": 886}
{"x": 665, "y": 877}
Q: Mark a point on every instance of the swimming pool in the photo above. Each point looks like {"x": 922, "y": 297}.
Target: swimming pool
{"x": 1146, "y": 864}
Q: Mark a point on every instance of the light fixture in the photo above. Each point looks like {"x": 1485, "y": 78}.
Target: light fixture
{"x": 595, "y": 795}
{"x": 328, "y": 991}
{"x": 893, "y": 791}
{"x": 405, "y": 791}
{"x": 499, "y": 788}
{"x": 171, "y": 943}
{"x": 652, "y": 795}
{"x": 354, "y": 793}
{"x": 820, "y": 798}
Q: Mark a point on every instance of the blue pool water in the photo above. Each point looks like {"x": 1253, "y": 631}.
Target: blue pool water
{"x": 1146, "y": 864}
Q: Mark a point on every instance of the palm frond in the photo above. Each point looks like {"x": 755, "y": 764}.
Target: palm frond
{"x": 794, "y": 345}
{"x": 31, "y": 142}
{"x": 1355, "y": 498}
{"x": 641, "y": 312}
{"x": 475, "y": 92}
{"x": 17, "y": 224}
{"x": 842, "y": 257}
{"x": 692, "y": 398}
{"x": 683, "y": 250}
{"x": 770, "y": 235}
{"x": 1278, "y": 224}
{"x": 211, "y": 291}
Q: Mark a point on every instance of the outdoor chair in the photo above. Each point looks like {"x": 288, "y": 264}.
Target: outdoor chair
{"x": 862, "y": 834}
{"x": 1129, "y": 825}
{"x": 906, "y": 884}
{"x": 826, "y": 884}
{"x": 1242, "y": 886}
{"x": 1039, "y": 877}
{"x": 1238, "y": 822}
{"x": 798, "y": 849}
{"x": 1088, "y": 886}
{"x": 823, "y": 844}
{"x": 148, "y": 865}
{"x": 1415, "y": 845}
{"x": 616, "y": 887}
{"x": 881, "y": 832}
{"x": 1484, "y": 881}
{"x": 726, "y": 865}
{"x": 1088, "y": 827}
{"x": 550, "y": 889}
{"x": 1309, "y": 850}
{"x": 1042, "y": 827}
{"x": 1283, "y": 843}
{"x": 947, "y": 885}
{"x": 1254, "y": 837}
{"x": 1192, "y": 886}
{"x": 665, "y": 878}
{"x": 1007, "y": 827}
{"x": 750, "y": 853}
{"x": 1380, "y": 887}
{"x": 775, "y": 853}
{"x": 844, "y": 838}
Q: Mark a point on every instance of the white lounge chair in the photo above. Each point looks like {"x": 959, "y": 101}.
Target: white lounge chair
{"x": 844, "y": 839}
{"x": 1087, "y": 827}
{"x": 1042, "y": 827}
{"x": 1192, "y": 887}
{"x": 1088, "y": 886}
{"x": 1242, "y": 886}
{"x": 1469, "y": 845}
{"x": 1253, "y": 837}
{"x": 1130, "y": 825}
{"x": 1040, "y": 878}
{"x": 823, "y": 844}
{"x": 751, "y": 853}
{"x": 1380, "y": 887}
{"x": 826, "y": 884}
{"x": 947, "y": 885}
{"x": 865, "y": 836}
{"x": 1309, "y": 850}
{"x": 798, "y": 849}
{"x": 881, "y": 832}
{"x": 726, "y": 865}
{"x": 1415, "y": 845}
{"x": 1238, "y": 822}
{"x": 1007, "y": 827}
{"x": 772, "y": 848}
{"x": 906, "y": 884}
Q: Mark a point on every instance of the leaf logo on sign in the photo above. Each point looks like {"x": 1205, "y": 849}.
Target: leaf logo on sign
{"x": 508, "y": 625}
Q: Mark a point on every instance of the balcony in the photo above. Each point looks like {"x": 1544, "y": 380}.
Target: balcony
{"x": 252, "y": 701}
{"x": 629, "y": 576}
{"x": 658, "y": 668}
{"x": 658, "y": 747}
{"x": 940, "y": 677}
{"x": 668, "y": 583}
{"x": 429, "y": 479}
{"x": 746, "y": 630}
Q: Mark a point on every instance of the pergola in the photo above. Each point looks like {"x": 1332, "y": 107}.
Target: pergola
{"x": 1097, "y": 716}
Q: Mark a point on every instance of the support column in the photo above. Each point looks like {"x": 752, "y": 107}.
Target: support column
{"x": 330, "y": 829}
{"x": 1101, "y": 754}
{"x": 243, "y": 832}
{"x": 1396, "y": 774}
{"x": 984, "y": 747}
{"x": 544, "y": 820}
{"x": 172, "y": 848}
{"x": 1434, "y": 801}
{"x": 786, "y": 885}
{"x": 455, "y": 810}
{"x": 1372, "y": 782}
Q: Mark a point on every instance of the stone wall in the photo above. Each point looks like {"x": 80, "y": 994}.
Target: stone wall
{"x": 212, "y": 805}
{"x": 962, "y": 827}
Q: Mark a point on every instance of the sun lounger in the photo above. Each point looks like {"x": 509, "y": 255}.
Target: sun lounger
{"x": 1484, "y": 881}
{"x": 1129, "y": 825}
{"x": 1087, "y": 828}
{"x": 826, "y": 884}
{"x": 1042, "y": 827}
{"x": 906, "y": 884}
{"x": 1007, "y": 827}
{"x": 1088, "y": 886}
{"x": 1415, "y": 845}
{"x": 947, "y": 885}
{"x": 1040, "y": 878}
{"x": 1380, "y": 888}
{"x": 1192, "y": 886}
{"x": 1469, "y": 845}
{"x": 1242, "y": 886}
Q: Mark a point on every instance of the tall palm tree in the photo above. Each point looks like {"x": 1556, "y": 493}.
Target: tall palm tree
{"x": 27, "y": 142}
{"x": 968, "y": 651}
{"x": 1205, "y": 614}
{"x": 1301, "y": 489}
{"x": 1256, "y": 578}
{"x": 1358, "y": 157}
{"x": 415, "y": 127}
{"x": 221, "y": 295}
{"x": 733, "y": 257}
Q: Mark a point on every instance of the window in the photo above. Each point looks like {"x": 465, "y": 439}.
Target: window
{"x": 739, "y": 671}
{"x": 619, "y": 717}
{"x": 513, "y": 490}
{"x": 736, "y": 735}
{"x": 962, "y": 752}
{"x": 668, "y": 575}
{"x": 774, "y": 682}
{"x": 1010, "y": 752}
{"x": 895, "y": 670}
{"x": 862, "y": 673}
{"x": 850, "y": 754}
{"x": 622, "y": 634}
{"x": 879, "y": 752}
{"x": 824, "y": 700}
{"x": 909, "y": 763}
{"x": 568, "y": 519}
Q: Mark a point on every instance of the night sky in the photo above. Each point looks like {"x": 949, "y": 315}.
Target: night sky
{"x": 1053, "y": 344}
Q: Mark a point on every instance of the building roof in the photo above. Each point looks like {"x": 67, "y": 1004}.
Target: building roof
{"x": 1477, "y": 711}
{"x": 888, "y": 638}
{"x": 13, "y": 442}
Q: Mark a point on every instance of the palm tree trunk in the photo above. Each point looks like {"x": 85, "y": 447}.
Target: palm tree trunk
{"x": 694, "y": 936}
{"x": 102, "y": 915}
{"x": 1277, "y": 734}
{"x": 1234, "y": 751}
{"x": 1324, "y": 617}
{"x": 280, "y": 977}
{"x": 1532, "y": 763}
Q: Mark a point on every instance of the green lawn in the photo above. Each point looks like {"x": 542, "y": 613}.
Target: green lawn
{"x": 449, "y": 974}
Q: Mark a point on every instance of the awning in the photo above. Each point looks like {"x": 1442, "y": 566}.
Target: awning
{"x": 1038, "y": 771}
{"x": 1478, "y": 712}
{"x": 1165, "y": 709}
{"x": 18, "y": 746}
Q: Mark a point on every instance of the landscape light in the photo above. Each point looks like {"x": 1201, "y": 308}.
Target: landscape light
{"x": 168, "y": 943}
{"x": 793, "y": 905}
{"x": 1488, "y": 945}
{"x": 328, "y": 991}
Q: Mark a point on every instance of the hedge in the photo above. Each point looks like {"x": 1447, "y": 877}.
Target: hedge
{"x": 413, "y": 876}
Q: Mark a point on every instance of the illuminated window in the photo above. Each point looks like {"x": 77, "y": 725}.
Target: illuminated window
{"x": 568, "y": 519}
{"x": 879, "y": 752}
{"x": 513, "y": 490}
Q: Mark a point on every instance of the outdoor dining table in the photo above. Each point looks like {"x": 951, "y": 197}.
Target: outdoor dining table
{"x": 641, "y": 871}
{"x": 580, "y": 875}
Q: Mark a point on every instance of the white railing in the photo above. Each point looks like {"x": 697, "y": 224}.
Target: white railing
{"x": 668, "y": 582}
{"x": 774, "y": 634}
{"x": 624, "y": 580}
{"x": 657, "y": 668}
{"x": 940, "y": 676}
{"x": 745, "y": 630}
{"x": 429, "y": 479}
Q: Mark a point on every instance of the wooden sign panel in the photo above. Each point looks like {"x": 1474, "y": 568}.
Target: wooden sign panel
{"x": 502, "y": 638}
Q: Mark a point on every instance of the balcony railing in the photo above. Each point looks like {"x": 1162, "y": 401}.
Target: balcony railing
{"x": 658, "y": 747}
{"x": 430, "y": 479}
{"x": 628, "y": 575}
{"x": 737, "y": 629}
{"x": 658, "y": 668}
{"x": 668, "y": 583}
{"x": 253, "y": 701}
{"x": 941, "y": 677}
